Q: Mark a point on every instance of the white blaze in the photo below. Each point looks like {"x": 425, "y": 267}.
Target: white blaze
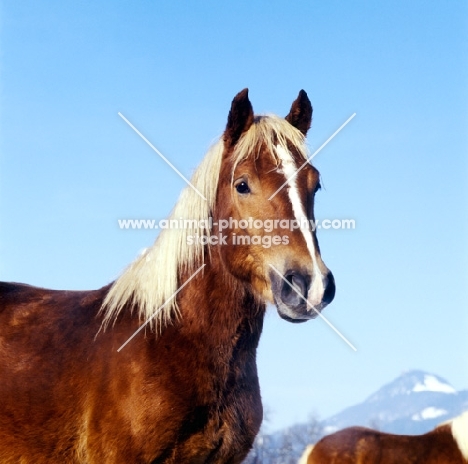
{"x": 289, "y": 168}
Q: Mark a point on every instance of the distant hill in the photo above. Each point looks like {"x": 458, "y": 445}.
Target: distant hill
{"x": 412, "y": 404}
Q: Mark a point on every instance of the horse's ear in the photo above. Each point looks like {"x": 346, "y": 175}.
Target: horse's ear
{"x": 240, "y": 118}
{"x": 300, "y": 115}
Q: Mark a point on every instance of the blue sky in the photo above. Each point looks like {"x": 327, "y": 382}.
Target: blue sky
{"x": 70, "y": 167}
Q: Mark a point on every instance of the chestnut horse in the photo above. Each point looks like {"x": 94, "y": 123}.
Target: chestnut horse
{"x": 446, "y": 444}
{"x": 185, "y": 390}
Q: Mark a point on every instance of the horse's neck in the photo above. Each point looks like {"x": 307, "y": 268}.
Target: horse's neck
{"x": 220, "y": 310}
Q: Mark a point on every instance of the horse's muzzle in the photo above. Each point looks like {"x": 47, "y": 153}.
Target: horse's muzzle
{"x": 291, "y": 295}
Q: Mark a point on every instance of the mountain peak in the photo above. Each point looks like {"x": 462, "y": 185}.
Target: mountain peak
{"x": 435, "y": 384}
{"x": 410, "y": 382}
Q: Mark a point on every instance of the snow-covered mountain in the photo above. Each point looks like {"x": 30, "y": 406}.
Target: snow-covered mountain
{"x": 413, "y": 403}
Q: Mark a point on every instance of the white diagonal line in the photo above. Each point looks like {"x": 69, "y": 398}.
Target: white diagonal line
{"x": 162, "y": 306}
{"x": 314, "y": 154}
{"x": 318, "y": 312}
{"x": 160, "y": 154}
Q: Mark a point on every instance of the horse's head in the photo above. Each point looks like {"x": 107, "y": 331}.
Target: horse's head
{"x": 264, "y": 211}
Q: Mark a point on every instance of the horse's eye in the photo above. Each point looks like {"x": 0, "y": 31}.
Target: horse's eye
{"x": 243, "y": 187}
{"x": 317, "y": 188}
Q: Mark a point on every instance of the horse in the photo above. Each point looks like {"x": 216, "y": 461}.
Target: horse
{"x": 81, "y": 382}
{"x": 446, "y": 444}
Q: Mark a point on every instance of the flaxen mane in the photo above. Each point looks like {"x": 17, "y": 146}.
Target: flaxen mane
{"x": 305, "y": 455}
{"x": 152, "y": 279}
{"x": 459, "y": 427}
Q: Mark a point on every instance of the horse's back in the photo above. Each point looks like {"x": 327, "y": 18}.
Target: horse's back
{"x": 34, "y": 319}
{"x": 360, "y": 445}
{"x": 14, "y": 293}
{"x": 40, "y": 326}
{"x": 45, "y": 340}
{"x": 344, "y": 447}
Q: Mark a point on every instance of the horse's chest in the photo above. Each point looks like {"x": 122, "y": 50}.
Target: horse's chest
{"x": 215, "y": 411}
{"x": 228, "y": 434}
{"x": 224, "y": 430}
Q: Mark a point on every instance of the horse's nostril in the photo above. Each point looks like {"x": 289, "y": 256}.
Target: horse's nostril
{"x": 293, "y": 289}
{"x": 299, "y": 282}
{"x": 329, "y": 292}
{"x": 288, "y": 286}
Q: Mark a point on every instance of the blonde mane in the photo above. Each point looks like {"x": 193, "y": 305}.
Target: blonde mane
{"x": 305, "y": 455}
{"x": 460, "y": 433}
{"x": 152, "y": 279}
